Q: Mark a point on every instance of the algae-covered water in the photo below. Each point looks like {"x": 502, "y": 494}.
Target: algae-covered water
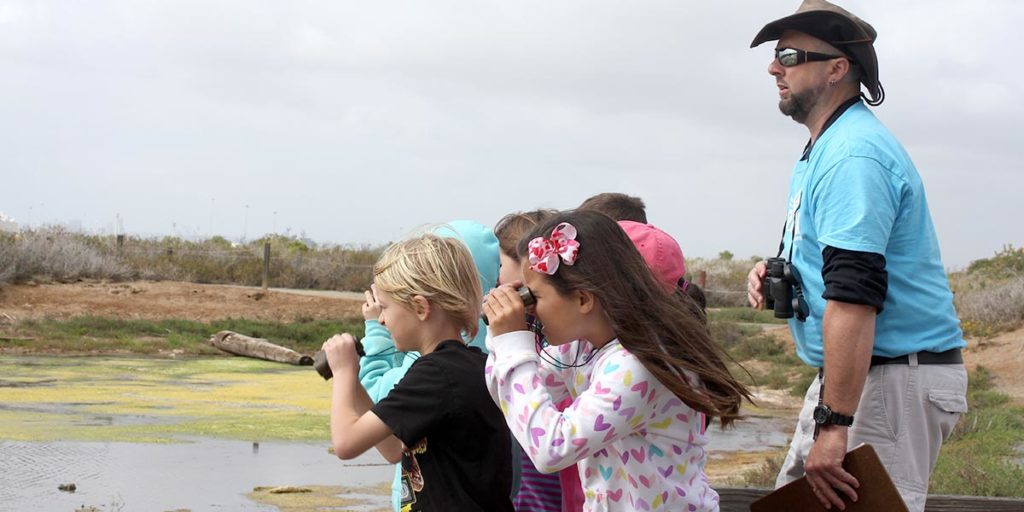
{"x": 158, "y": 400}
{"x": 199, "y": 434}
{"x": 152, "y": 434}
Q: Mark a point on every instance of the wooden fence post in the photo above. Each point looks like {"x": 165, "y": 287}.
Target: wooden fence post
{"x": 702, "y": 280}
{"x": 266, "y": 265}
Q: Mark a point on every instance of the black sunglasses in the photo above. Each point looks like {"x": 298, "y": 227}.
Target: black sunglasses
{"x": 793, "y": 57}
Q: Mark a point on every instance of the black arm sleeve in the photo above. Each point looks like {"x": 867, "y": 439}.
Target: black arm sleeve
{"x": 854, "y": 277}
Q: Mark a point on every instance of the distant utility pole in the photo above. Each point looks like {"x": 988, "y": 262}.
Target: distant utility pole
{"x": 245, "y": 224}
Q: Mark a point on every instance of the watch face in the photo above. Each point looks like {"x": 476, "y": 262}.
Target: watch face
{"x": 821, "y": 414}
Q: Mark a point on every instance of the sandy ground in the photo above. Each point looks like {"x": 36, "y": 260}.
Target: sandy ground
{"x": 156, "y": 300}
{"x": 1004, "y": 355}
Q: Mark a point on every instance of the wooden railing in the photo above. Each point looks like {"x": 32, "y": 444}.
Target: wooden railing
{"x": 739, "y": 500}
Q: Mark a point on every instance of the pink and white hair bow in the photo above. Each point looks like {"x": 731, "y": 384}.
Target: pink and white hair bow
{"x": 546, "y": 254}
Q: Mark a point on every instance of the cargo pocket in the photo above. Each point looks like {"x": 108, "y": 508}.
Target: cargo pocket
{"x": 949, "y": 406}
{"x": 948, "y": 401}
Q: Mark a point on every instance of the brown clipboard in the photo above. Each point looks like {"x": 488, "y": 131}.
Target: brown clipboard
{"x": 876, "y": 491}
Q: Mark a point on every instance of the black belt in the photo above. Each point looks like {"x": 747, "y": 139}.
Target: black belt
{"x": 951, "y": 356}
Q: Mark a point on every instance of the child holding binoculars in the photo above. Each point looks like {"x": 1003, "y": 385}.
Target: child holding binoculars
{"x": 439, "y": 420}
{"x": 636, "y": 360}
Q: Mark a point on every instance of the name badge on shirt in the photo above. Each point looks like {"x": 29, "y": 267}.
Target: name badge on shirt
{"x": 792, "y": 219}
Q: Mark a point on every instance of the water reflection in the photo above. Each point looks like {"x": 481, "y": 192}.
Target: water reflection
{"x": 753, "y": 434}
{"x": 201, "y": 475}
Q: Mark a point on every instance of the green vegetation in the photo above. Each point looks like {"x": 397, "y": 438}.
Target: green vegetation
{"x": 984, "y": 455}
{"x": 745, "y": 314}
{"x": 107, "y": 335}
{"x": 1005, "y": 264}
{"x": 765, "y": 360}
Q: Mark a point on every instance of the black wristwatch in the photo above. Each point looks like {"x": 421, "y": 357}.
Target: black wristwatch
{"x": 823, "y": 415}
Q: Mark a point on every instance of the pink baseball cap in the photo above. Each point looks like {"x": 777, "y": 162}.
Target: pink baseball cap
{"x": 661, "y": 252}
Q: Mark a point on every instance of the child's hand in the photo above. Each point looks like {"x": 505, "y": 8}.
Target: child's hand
{"x": 505, "y": 310}
{"x": 371, "y": 308}
{"x": 341, "y": 353}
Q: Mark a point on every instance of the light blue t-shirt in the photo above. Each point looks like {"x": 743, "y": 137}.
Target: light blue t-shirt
{"x": 858, "y": 190}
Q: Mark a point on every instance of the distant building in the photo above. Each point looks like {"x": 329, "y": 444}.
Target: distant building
{"x": 7, "y": 224}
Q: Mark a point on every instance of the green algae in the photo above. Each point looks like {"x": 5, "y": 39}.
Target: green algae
{"x": 102, "y": 335}
{"x": 159, "y": 400}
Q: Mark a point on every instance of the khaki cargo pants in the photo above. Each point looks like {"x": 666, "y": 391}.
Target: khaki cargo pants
{"x": 906, "y": 412}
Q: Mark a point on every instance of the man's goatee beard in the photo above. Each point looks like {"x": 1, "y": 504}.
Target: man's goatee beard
{"x": 799, "y": 105}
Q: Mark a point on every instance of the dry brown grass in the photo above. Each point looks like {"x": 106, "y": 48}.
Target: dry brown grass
{"x": 57, "y": 255}
{"x": 989, "y": 294}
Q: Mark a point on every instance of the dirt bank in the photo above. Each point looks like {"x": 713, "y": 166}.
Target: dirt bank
{"x": 158, "y": 300}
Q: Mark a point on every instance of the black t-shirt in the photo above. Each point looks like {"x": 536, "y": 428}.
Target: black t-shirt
{"x": 458, "y": 455}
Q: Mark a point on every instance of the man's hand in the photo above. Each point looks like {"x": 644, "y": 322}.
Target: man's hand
{"x": 371, "y": 308}
{"x": 341, "y": 353}
{"x": 754, "y": 280}
{"x": 505, "y": 310}
{"x": 824, "y": 468}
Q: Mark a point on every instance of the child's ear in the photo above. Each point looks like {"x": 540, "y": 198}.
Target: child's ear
{"x": 587, "y": 301}
{"x": 421, "y": 306}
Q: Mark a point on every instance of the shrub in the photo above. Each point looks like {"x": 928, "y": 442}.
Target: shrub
{"x": 726, "y": 284}
{"x": 56, "y": 254}
{"x": 989, "y": 295}
{"x": 61, "y": 255}
{"x": 1005, "y": 264}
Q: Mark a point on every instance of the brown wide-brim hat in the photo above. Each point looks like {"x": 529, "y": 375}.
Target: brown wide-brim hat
{"x": 837, "y": 27}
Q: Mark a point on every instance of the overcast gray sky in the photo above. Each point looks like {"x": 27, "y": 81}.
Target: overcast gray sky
{"x": 358, "y": 122}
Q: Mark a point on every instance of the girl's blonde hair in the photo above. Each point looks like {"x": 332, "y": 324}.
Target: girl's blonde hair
{"x": 440, "y": 269}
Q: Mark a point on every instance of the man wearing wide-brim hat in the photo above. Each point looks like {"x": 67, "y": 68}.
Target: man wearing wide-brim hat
{"x": 873, "y": 308}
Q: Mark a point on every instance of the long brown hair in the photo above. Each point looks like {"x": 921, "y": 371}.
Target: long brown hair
{"x": 661, "y": 329}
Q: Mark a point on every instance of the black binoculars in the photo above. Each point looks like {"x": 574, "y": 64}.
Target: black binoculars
{"x": 782, "y": 291}
{"x": 525, "y": 294}
{"x": 324, "y": 369}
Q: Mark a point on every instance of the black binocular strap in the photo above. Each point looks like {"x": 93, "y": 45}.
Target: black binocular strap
{"x": 792, "y": 235}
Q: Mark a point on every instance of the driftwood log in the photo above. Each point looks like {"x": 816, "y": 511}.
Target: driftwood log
{"x": 259, "y": 348}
